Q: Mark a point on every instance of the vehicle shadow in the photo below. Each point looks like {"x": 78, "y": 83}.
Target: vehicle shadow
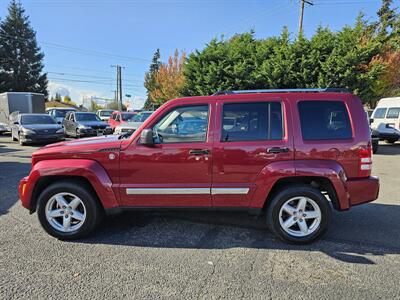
{"x": 354, "y": 236}
{"x": 9, "y": 195}
{"x": 388, "y": 149}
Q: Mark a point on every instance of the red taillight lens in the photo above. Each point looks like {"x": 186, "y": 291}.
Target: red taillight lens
{"x": 365, "y": 161}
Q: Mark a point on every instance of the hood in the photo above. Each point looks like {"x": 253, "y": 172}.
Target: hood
{"x": 42, "y": 126}
{"x": 82, "y": 148}
{"x": 93, "y": 123}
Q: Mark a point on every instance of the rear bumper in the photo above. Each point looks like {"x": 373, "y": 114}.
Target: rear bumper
{"x": 362, "y": 190}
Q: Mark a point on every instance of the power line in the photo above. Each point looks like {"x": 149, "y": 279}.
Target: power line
{"x": 80, "y": 50}
{"x": 302, "y": 4}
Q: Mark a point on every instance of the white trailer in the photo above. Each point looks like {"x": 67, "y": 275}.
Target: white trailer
{"x": 19, "y": 102}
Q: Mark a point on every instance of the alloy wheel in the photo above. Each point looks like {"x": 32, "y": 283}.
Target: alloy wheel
{"x": 65, "y": 212}
{"x": 300, "y": 216}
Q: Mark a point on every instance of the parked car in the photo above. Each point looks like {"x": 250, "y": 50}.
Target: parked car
{"x": 59, "y": 113}
{"x": 104, "y": 114}
{"x": 84, "y": 124}
{"x": 133, "y": 124}
{"x": 118, "y": 118}
{"x": 386, "y": 119}
{"x": 36, "y": 128}
{"x": 291, "y": 154}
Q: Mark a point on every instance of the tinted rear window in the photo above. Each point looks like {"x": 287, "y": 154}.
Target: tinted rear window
{"x": 252, "y": 122}
{"x": 324, "y": 120}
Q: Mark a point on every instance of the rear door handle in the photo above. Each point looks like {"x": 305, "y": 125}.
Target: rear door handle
{"x": 277, "y": 150}
{"x": 199, "y": 152}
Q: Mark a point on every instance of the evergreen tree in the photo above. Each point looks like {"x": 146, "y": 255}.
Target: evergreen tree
{"x": 149, "y": 79}
{"x": 387, "y": 18}
{"x": 21, "y": 60}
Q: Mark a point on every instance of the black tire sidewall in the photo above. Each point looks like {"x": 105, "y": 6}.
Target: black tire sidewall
{"x": 282, "y": 197}
{"x": 93, "y": 213}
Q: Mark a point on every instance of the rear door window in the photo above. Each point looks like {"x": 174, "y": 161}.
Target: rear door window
{"x": 252, "y": 122}
{"x": 393, "y": 113}
{"x": 380, "y": 113}
{"x": 324, "y": 120}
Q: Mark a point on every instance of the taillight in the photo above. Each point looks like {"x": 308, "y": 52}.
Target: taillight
{"x": 365, "y": 161}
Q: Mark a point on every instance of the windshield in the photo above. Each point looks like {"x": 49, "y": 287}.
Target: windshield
{"x": 36, "y": 119}
{"x": 106, "y": 113}
{"x": 143, "y": 116}
{"x": 62, "y": 112}
{"x": 128, "y": 117}
{"x": 87, "y": 117}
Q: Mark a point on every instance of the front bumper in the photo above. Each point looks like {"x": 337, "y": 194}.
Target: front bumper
{"x": 362, "y": 190}
{"x": 94, "y": 132}
{"x": 36, "y": 138}
{"x": 22, "y": 192}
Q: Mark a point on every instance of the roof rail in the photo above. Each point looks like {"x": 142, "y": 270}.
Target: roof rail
{"x": 316, "y": 90}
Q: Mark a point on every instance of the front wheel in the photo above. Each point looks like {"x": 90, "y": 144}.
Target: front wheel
{"x": 299, "y": 214}
{"x": 67, "y": 210}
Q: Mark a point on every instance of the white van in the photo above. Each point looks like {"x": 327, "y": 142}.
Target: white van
{"x": 386, "y": 119}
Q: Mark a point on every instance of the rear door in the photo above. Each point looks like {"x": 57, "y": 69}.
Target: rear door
{"x": 250, "y": 135}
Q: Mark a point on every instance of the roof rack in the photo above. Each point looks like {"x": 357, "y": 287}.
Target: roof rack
{"x": 317, "y": 90}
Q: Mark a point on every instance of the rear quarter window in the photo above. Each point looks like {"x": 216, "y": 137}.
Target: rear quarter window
{"x": 324, "y": 120}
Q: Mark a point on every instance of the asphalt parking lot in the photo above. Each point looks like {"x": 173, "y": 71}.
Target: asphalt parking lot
{"x": 200, "y": 255}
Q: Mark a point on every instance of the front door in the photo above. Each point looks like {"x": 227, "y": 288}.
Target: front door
{"x": 176, "y": 171}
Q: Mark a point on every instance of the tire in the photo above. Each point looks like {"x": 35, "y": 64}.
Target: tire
{"x": 276, "y": 214}
{"x": 391, "y": 141}
{"x": 375, "y": 147}
{"x": 88, "y": 210}
{"x": 20, "y": 140}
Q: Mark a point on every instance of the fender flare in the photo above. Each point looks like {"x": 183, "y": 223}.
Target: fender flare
{"x": 326, "y": 169}
{"x": 89, "y": 169}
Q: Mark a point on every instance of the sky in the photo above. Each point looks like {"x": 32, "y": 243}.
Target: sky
{"x": 82, "y": 39}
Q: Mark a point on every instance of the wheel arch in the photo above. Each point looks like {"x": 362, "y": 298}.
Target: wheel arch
{"x": 88, "y": 172}
{"x": 46, "y": 181}
{"x": 323, "y": 184}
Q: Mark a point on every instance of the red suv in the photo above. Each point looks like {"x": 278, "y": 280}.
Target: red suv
{"x": 118, "y": 118}
{"x": 292, "y": 154}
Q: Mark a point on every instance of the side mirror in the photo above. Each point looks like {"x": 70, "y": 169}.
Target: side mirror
{"x": 146, "y": 137}
{"x": 371, "y": 121}
{"x": 16, "y": 123}
{"x": 59, "y": 122}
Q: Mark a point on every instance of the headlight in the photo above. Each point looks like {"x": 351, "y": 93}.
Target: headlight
{"x": 61, "y": 130}
{"x": 28, "y": 131}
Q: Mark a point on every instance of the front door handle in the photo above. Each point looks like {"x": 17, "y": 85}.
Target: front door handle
{"x": 199, "y": 152}
{"x": 278, "y": 150}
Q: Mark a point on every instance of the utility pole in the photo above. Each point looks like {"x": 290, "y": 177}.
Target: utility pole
{"x": 118, "y": 97}
{"x": 302, "y": 4}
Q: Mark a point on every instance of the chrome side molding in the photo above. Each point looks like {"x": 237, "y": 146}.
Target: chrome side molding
{"x": 187, "y": 191}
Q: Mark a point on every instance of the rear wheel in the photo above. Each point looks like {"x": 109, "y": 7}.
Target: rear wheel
{"x": 299, "y": 214}
{"x": 67, "y": 210}
{"x": 375, "y": 147}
